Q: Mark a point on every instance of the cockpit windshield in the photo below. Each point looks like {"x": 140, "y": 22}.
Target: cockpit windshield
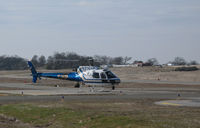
{"x": 110, "y": 74}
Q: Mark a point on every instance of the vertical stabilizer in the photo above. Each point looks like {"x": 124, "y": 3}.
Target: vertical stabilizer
{"x": 33, "y": 71}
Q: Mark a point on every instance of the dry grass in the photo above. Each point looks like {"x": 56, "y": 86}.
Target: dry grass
{"x": 153, "y": 73}
{"x": 141, "y": 113}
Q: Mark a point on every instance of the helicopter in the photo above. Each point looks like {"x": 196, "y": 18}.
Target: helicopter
{"x": 83, "y": 75}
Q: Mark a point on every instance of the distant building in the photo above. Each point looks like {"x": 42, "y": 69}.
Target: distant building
{"x": 147, "y": 64}
{"x": 138, "y": 63}
{"x": 169, "y": 64}
{"x": 120, "y": 66}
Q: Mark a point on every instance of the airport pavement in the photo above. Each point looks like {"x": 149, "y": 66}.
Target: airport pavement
{"x": 164, "y": 96}
{"x": 162, "y": 82}
{"x": 30, "y": 89}
{"x": 190, "y": 102}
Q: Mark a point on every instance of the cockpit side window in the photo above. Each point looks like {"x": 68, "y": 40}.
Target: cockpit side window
{"x": 95, "y": 75}
{"x": 103, "y": 76}
{"x": 110, "y": 74}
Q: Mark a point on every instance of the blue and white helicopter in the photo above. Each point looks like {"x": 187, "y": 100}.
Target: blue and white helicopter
{"x": 83, "y": 75}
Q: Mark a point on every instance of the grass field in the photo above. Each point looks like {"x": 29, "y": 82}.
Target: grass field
{"x": 132, "y": 114}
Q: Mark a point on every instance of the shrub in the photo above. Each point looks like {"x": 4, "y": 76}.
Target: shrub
{"x": 193, "y": 68}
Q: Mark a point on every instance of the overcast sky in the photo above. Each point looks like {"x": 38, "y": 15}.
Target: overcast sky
{"x": 141, "y": 29}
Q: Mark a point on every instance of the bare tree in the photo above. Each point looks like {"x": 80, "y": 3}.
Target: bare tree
{"x": 103, "y": 60}
{"x": 193, "y": 62}
{"x": 12, "y": 63}
{"x": 117, "y": 60}
{"x": 35, "y": 61}
{"x": 152, "y": 61}
{"x": 126, "y": 59}
{"x": 179, "y": 61}
{"x": 50, "y": 63}
{"x": 41, "y": 61}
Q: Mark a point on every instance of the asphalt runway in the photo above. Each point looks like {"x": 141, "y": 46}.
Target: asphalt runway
{"x": 170, "y": 96}
{"x": 162, "y": 82}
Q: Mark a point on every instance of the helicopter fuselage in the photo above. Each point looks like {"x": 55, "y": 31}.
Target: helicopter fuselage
{"x": 86, "y": 75}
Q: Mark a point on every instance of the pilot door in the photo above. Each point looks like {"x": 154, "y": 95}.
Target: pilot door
{"x": 104, "y": 77}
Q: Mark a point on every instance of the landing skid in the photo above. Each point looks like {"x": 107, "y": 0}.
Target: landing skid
{"x": 113, "y": 87}
{"x": 94, "y": 89}
{"x": 98, "y": 89}
{"x": 77, "y": 85}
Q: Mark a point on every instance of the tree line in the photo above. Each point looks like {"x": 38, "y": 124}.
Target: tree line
{"x": 12, "y": 63}
{"x": 59, "y": 60}
{"x": 176, "y": 62}
{"x": 64, "y": 60}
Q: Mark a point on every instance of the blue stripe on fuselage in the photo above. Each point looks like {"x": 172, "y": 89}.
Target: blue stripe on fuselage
{"x": 71, "y": 76}
{"x": 74, "y": 76}
{"x": 52, "y": 75}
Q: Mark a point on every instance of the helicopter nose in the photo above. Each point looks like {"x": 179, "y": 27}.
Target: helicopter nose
{"x": 115, "y": 81}
{"x": 118, "y": 81}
